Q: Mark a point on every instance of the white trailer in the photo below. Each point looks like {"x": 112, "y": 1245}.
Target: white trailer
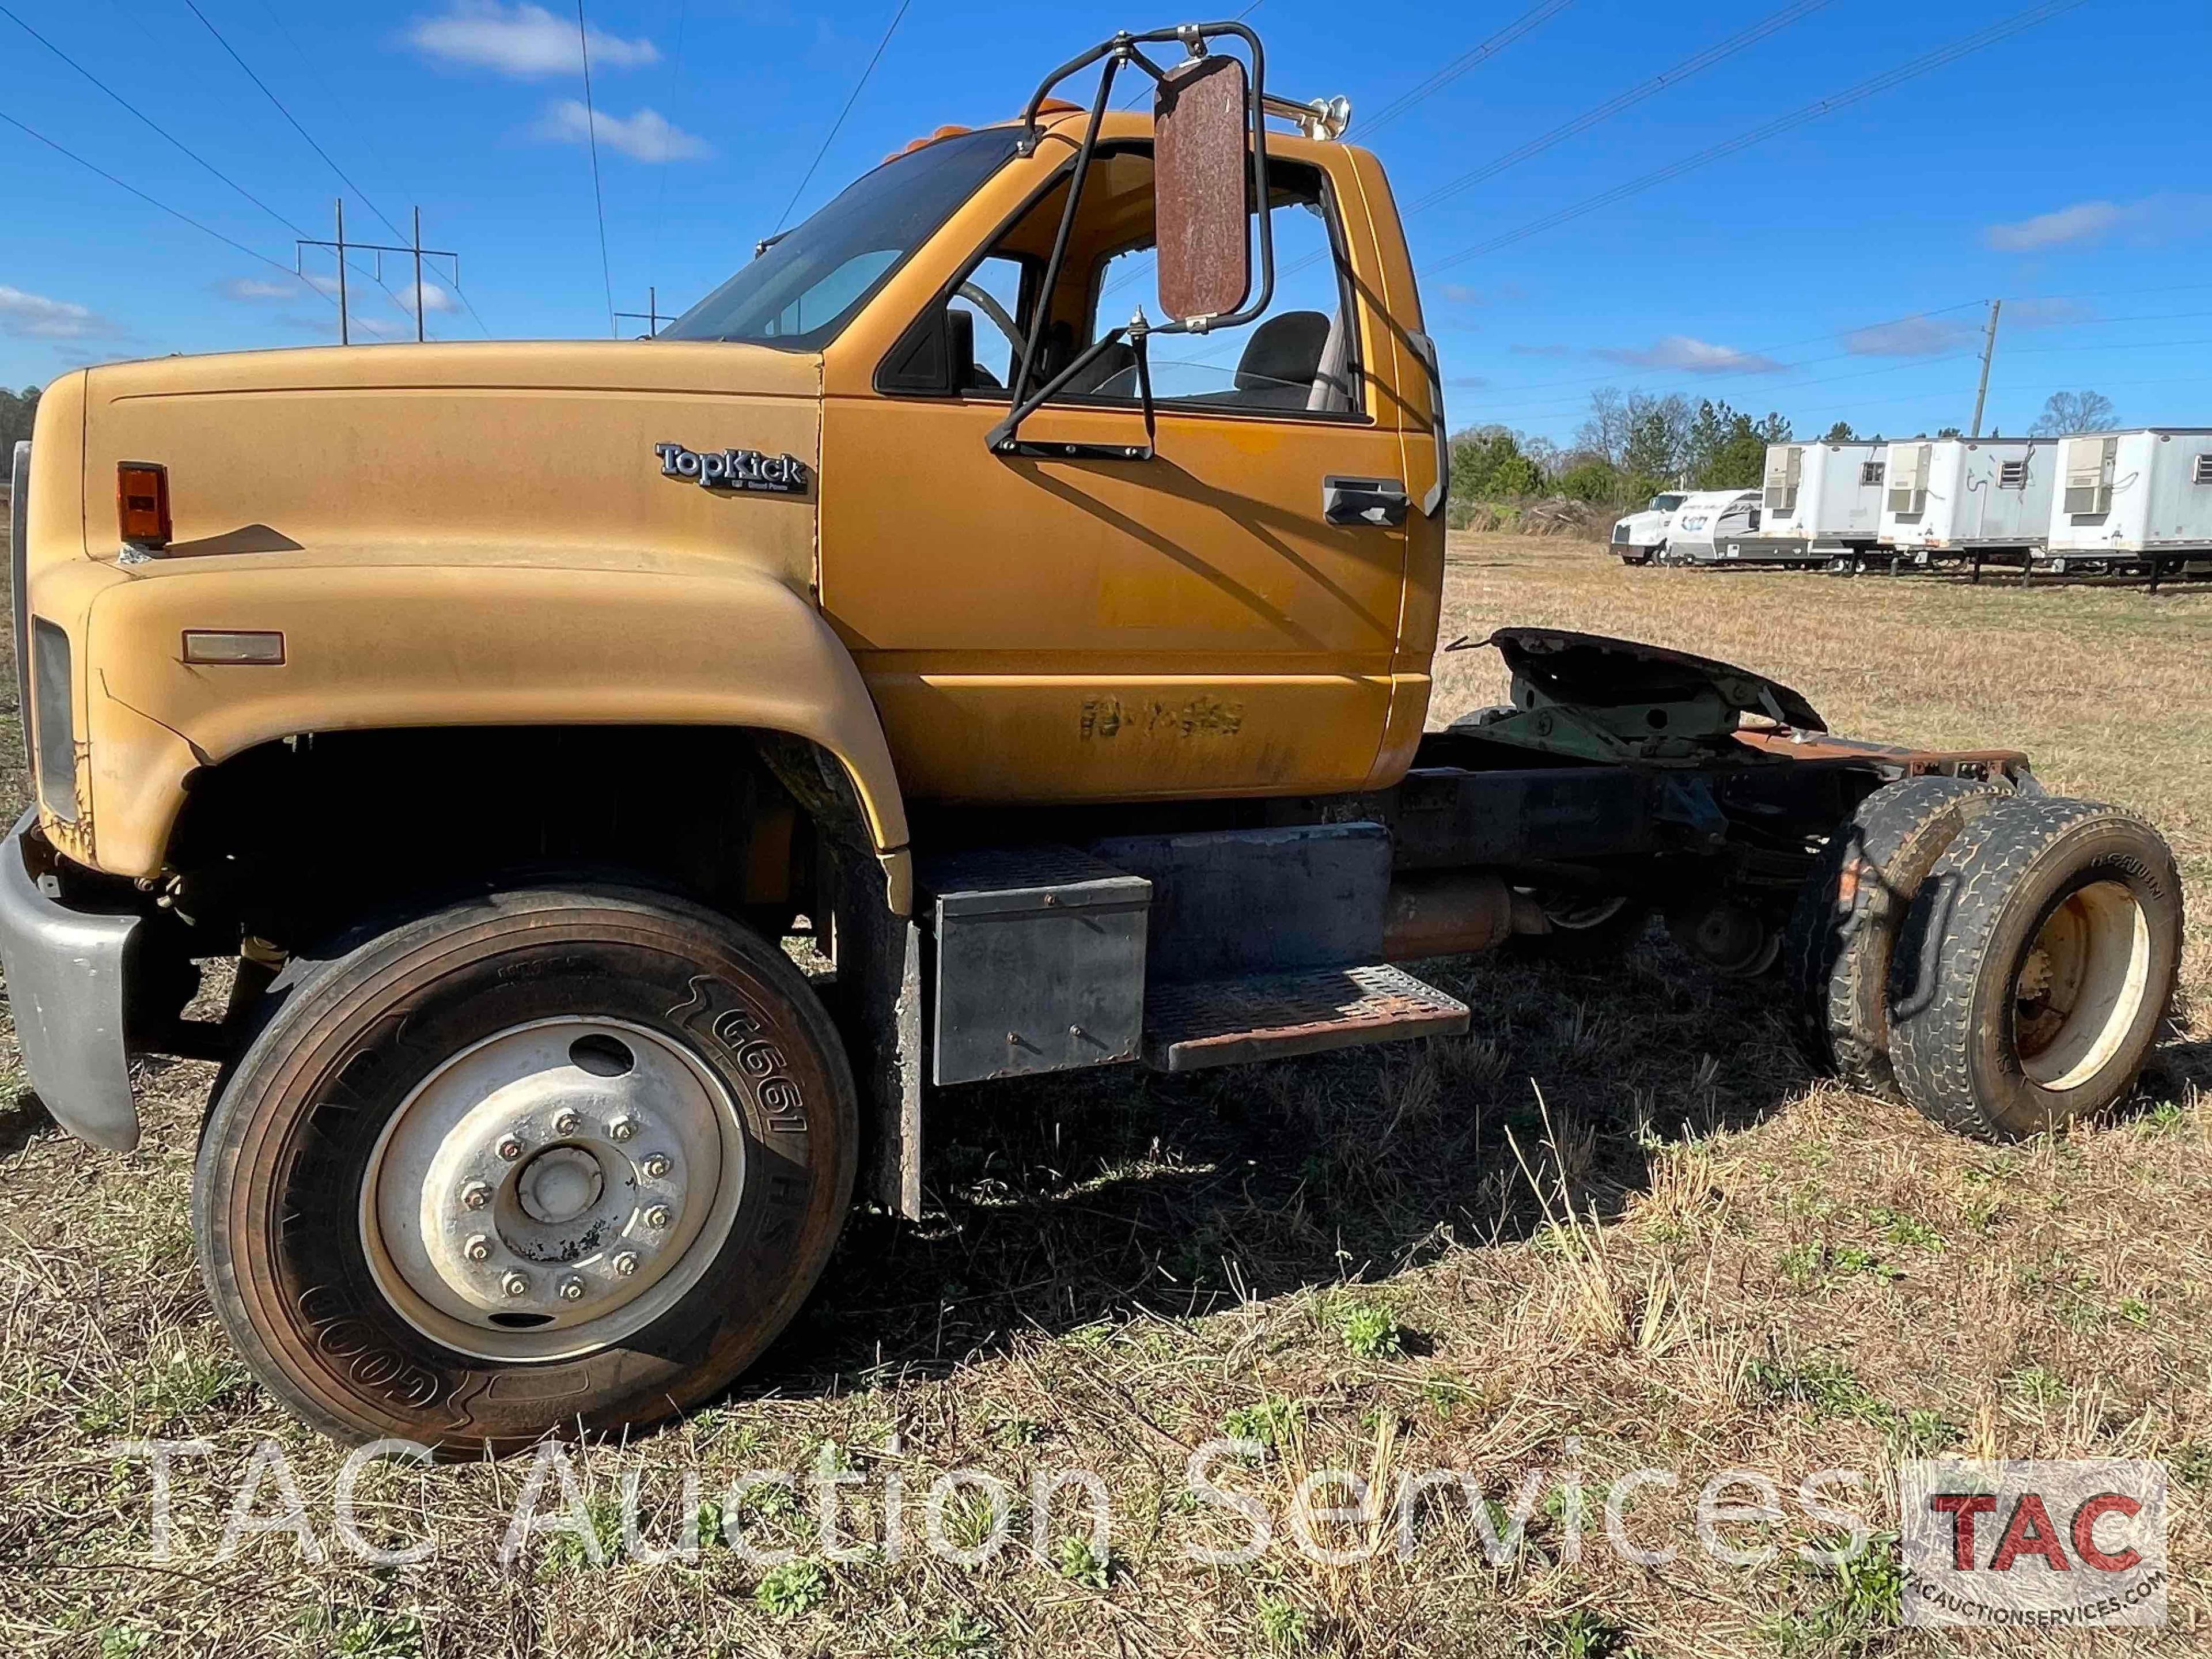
{"x": 2139, "y": 499}
{"x": 1968, "y": 497}
{"x": 1821, "y": 501}
{"x": 1707, "y": 523}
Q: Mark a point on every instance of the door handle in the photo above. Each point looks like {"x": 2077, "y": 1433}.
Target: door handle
{"x": 1380, "y": 502}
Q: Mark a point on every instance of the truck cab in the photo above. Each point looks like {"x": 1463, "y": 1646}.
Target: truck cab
{"x": 1023, "y": 578}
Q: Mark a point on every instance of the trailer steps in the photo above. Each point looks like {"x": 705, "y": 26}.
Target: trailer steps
{"x": 1228, "y": 1022}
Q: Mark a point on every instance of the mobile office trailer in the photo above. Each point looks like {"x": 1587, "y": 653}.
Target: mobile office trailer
{"x": 1708, "y": 522}
{"x": 2140, "y": 498}
{"x": 1821, "y": 501}
{"x": 1968, "y": 497}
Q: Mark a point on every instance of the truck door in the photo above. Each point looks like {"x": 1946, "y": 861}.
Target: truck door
{"x": 1041, "y": 628}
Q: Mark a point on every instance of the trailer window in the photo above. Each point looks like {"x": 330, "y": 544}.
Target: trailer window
{"x": 1869, "y": 473}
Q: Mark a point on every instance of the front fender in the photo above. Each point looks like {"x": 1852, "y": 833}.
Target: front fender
{"x": 391, "y": 646}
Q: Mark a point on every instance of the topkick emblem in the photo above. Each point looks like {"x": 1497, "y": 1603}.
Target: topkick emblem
{"x": 733, "y": 469}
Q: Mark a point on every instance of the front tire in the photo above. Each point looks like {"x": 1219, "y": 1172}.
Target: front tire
{"x": 567, "y": 1158}
{"x": 2037, "y": 964}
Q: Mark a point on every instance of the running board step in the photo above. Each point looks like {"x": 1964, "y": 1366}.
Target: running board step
{"x": 1227, "y": 1022}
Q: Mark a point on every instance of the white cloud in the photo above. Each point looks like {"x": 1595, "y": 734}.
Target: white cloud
{"x": 34, "y": 317}
{"x": 257, "y": 290}
{"x": 523, "y": 40}
{"x": 1691, "y": 356}
{"x": 2081, "y": 223}
{"x": 644, "y": 136}
{"x": 1910, "y": 336}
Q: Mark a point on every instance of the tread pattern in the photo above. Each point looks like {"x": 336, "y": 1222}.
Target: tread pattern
{"x": 1944, "y": 951}
{"x": 1847, "y": 914}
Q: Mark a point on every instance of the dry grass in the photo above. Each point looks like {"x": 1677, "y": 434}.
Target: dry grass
{"x": 1683, "y": 1251}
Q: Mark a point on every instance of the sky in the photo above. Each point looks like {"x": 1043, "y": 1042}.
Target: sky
{"x": 1573, "y": 225}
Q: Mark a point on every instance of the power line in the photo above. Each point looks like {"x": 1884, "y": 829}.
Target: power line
{"x": 164, "y": 207}
{"x": 1813, "y": 111}
{"x": 842, "y": 114}
{"x": 149, "y": 121}
{"x": 591, "y": 135}
{"x": 1535, "y": 17}
{"x": 194, "y": 7}
{"x": 1682, "y": 71}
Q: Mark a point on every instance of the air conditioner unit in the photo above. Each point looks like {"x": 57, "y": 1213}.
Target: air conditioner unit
{"x": 1909, "y": 465}
{"x": 1785, "y": 468}
{"x": 2089, "y": 462}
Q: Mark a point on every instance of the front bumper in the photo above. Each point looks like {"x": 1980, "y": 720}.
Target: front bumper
{"x": 65, "y": 987}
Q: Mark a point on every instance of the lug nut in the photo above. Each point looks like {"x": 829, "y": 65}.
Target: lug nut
{"x": 657, "y": 1216}
{"x": 510, "y": 1148}
{"x": 478, "y": 1248}
{"x": 515, "y": 1283}
{"x": 626, "y": 1263}
{"x": 477, "y": 1195}
{"x": 566, "y": 1123}
{"x": 623, "y": 1127}
{"x": 655, "y": 1167}
{"x": 572, "y": 1289}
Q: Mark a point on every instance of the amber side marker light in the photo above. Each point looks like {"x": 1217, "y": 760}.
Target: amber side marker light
{"x": 141, "y": 503}
{"x": 209, "y": 648}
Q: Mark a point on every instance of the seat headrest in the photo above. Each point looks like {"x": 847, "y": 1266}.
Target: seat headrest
{"x": 1283, "y": 352}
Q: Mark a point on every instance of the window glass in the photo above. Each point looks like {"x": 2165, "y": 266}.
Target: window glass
{"x": 807, "y": 287}
{"x": 992, "y": 295}
{"x": 1296, "y": 355}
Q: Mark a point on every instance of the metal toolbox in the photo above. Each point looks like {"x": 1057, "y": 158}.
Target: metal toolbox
{"x": 1039, "y": 962}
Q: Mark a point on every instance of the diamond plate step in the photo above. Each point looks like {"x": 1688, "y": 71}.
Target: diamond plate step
{"x": 1275, "y": 1016}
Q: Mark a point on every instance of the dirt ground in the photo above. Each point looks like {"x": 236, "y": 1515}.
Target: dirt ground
{"x": 1617, "y": 1227}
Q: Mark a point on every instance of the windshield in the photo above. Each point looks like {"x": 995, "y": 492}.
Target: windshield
{"x": 800, "y": 293}
{"x": 1666, "y": 503}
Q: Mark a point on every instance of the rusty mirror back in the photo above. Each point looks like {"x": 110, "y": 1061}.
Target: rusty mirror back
{"x": 1202, "y": 125}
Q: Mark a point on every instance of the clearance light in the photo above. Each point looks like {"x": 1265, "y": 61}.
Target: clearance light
{"x": 141, "y": 503}
{"x": 210, "y": 649}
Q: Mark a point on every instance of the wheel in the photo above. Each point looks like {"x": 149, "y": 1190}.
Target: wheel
{"x": 2036, "y": 965}
{"x": 1585, "y": 927}
{"x": 569, "y": 1157}
{"x": 1842, "y": 935}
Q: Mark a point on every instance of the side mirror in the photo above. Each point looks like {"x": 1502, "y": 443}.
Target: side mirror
{"x": 1202, "y": 130}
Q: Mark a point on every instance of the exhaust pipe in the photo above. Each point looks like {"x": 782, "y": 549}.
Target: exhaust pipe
{"x": 1453, "y": 912}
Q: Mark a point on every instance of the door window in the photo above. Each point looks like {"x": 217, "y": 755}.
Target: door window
{"x": 1301, "y": 355}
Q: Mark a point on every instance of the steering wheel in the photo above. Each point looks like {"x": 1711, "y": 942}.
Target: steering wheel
{"x": 1000, "y": 318}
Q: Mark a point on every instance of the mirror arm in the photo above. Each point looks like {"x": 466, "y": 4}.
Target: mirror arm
{"x": 1004, "y": 439}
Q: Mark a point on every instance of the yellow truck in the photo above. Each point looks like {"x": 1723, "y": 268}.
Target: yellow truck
{"x": 498, "y": 710}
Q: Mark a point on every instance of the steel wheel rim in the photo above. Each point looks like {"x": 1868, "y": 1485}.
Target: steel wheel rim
{"x": 552, "y": 1189}
{"x": 2079, "y": 988}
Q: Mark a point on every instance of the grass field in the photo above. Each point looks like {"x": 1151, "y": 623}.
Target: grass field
{"x": 1617, "y": 1226}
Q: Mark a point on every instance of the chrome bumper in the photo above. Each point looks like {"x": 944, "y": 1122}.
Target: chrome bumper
{"x": 65, "y": 989}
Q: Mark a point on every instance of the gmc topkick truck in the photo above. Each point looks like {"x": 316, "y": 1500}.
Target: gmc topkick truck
{"x": 1027, "y": 572}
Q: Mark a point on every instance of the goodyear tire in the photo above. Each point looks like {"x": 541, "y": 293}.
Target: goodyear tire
{"x": 1844, "y": 932}
{"x": 555, "y": 1158}
{"x": 2036, "y": 967}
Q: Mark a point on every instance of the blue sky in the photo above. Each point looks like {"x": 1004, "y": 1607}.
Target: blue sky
{"x": 1836, "y": 269}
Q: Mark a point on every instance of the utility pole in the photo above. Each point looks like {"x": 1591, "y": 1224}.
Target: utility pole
{"x": 414, "y": 249}
{"x": 650, "y": 316}
{"x": 1989, "y": 351}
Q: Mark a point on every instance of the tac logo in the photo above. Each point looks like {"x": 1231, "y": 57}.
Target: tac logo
{"x": 733, "y": 469}
{"x": 2042, "y": 1543}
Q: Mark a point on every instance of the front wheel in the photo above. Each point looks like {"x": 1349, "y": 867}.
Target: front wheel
{"x": 552, "y": 1159}
{"x": 2035, "y": 968}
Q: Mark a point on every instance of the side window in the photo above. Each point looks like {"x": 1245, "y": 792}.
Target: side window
{"x": 1301, "y": 355}
{"x": 992, "y": 295}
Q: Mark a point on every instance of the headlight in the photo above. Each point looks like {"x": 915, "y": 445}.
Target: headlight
{"x": 54, "y": 719}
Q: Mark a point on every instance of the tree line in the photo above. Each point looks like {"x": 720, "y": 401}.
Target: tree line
{"x": 1632, "y": 446}
{"x": 16, "y": 409}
